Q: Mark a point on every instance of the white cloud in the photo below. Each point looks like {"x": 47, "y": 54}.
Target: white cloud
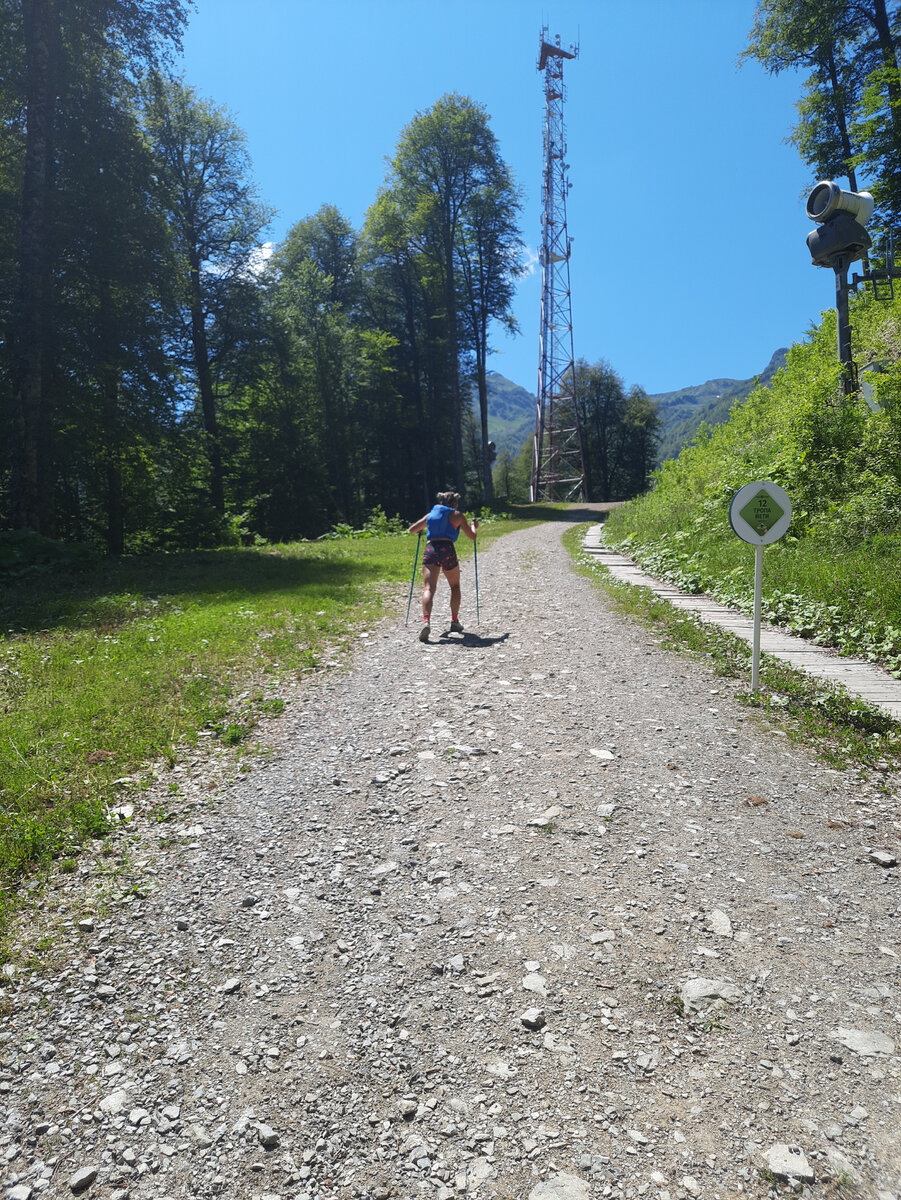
{"x": 530, "y": 261}
{"x": 257, "y": 259}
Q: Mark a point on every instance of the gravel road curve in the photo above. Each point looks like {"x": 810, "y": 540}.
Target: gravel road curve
{"x": 536, "y": 912}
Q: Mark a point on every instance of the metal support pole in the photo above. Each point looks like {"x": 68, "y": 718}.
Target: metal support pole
{"x": 413, "y": 576}
{"x": 475, "y": 555}
{"x": 758, "y": 591}
{"x": 843, "y": 323}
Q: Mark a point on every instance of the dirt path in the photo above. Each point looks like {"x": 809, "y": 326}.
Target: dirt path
{"x": 445, "y": 940}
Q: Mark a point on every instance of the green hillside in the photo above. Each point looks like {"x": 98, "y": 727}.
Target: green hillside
{"x": 683, "y": 411}
{"x": 511, "y": 408}
{"x": 511, "y": 413}
{"x": 834, "y": 576}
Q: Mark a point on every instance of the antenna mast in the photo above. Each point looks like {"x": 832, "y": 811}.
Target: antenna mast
{"x": 558, "y": 465}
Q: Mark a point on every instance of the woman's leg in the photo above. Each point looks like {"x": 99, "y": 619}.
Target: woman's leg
{"x": 430, "y": 572}
{"x": 453, "y": 578}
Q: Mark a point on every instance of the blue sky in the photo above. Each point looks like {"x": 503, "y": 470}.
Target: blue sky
{"x": 687, "y": 207}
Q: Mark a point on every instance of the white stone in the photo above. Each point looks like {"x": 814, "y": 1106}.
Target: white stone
{"x": 700, "y": 994}
{"x": 865, "y": 1043}
{"x": 561, "y": 1187}
{"x": 564, "y": 950}
{"x": 83, "y": 1178}
{"x": 533, "y": 1018}
{"x": 788, "y": 1162}
{"x": 477, "y": 1172}
{"x": 537, "y": 984}
{"x": 115, "y": 1102}
{"x": 384, "y": 869}
{"x": 883, "y": 859}
{"x": 719, "y": 923}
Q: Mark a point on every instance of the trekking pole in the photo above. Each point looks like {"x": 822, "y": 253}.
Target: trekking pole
{"x": 413, "y": 576}
{"x": 475, "y": 554}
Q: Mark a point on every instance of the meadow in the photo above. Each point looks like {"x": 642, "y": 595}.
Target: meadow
{"x": 109, "y": 666}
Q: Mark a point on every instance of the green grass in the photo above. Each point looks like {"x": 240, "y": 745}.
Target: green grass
{"x": 833, "y": 577}
{"x": 845, "y": 596}
{"x": 843, "y": 729}
{"x": 110, "y": 666}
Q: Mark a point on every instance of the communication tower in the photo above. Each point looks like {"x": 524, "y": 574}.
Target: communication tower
{"x": 558, "y": 465}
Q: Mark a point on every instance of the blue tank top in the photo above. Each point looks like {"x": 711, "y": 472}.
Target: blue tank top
{"x": 438, "y": 524}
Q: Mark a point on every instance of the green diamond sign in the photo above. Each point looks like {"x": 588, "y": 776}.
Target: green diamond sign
{"x": 762, "y": 512}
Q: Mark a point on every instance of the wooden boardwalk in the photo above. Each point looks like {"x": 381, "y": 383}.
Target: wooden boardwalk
{"x": 856, "y": 675}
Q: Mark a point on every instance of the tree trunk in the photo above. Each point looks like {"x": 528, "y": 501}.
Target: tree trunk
{"x": 426, "y": 447}
{"x": 110, "y": 376}
{"x": 482, "y": 384}
{"x": 31, "y": 482}
{"x": 841, "y": 121}
{"x": 205, "y": 386}
{"x": 889, "y": 58}
{"x": 450, "y": 303}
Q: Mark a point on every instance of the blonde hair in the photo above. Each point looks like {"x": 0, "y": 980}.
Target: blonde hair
{"x": 450, "y": 499}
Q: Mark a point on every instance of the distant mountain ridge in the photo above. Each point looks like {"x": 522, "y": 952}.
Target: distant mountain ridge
{"x": 511, "y": 408}
{"x": 683, "y": 411}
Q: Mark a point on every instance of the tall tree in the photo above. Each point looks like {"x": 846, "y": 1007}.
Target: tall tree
{"x": 111, "y": 299}
{"x": 879, "y": 123}
{"x": 217, "y": 222}
{"x": 329, "y": 241}
{"x": 58, "y": 37}
{"x": 619, "y": 431}
{"x": 446, "y": 165}
{"x": 403, "y": 297}
{"x": 490, "y": 246}
{"x": 850, "y": 113}
{"x": 818, "y": 35}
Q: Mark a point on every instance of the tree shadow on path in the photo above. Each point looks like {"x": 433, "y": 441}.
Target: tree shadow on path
{"x": 577, "y": 513}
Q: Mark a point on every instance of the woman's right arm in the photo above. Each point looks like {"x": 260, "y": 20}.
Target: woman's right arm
{"x": 469, "y": 530}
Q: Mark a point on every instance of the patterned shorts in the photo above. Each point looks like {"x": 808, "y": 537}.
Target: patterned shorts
{"x": 440, "y": 553}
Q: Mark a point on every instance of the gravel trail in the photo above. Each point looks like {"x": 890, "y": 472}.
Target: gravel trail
{"x": 538, "y": 912}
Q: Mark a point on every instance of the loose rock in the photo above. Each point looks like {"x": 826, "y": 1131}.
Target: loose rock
{"x": 788, "y": 1162}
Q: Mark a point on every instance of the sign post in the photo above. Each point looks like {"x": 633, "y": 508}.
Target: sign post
{"x": 760, "y": 513}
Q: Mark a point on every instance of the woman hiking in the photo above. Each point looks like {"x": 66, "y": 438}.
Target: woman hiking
{"x": 442, "y": 526}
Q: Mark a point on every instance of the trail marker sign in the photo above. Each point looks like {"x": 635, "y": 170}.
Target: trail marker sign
{"x": 760, "y": 513}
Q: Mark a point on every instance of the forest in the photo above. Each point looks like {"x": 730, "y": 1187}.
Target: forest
{"x": 168, "y": 379}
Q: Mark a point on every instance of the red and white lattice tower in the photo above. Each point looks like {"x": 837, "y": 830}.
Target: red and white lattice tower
{"x": 558, "y": 468}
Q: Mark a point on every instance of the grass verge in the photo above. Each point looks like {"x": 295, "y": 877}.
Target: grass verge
{"x": 846, "y": 596}
{"x": 843, "y": 729}
{"x": 108, "y": 666}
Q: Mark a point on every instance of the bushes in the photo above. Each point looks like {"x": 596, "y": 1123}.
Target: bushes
{"x": 834, "y": 575}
